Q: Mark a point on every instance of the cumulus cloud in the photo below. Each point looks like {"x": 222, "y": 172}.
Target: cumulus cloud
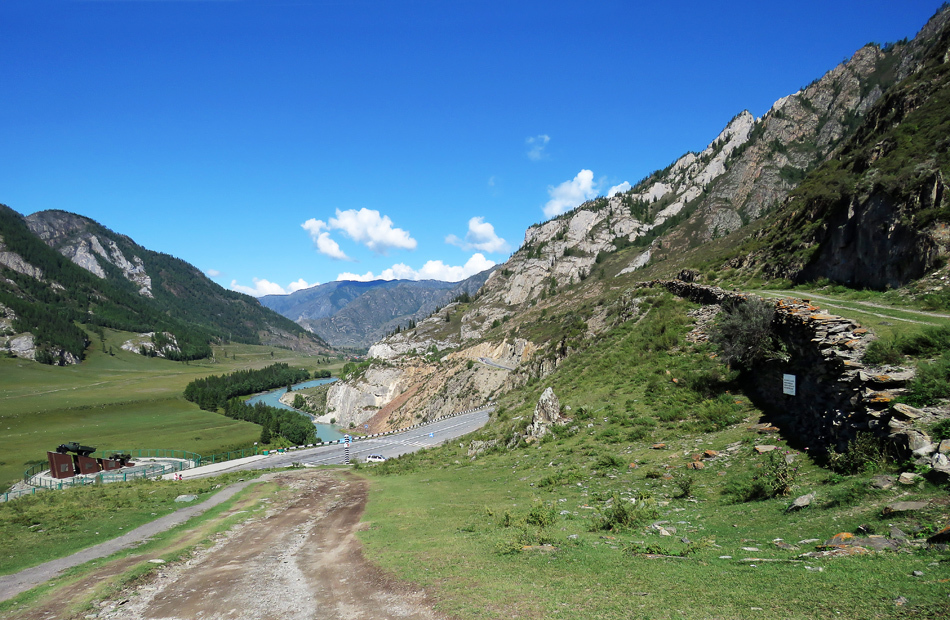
{"x": 264, "y": 287}
{"x": 432, "y": 270}
{"x": 212, "y": 273}
{"x": 480, "y": 236}
{"x": 570, "y": 194}
{"x": 299, "y": 285}
{"x": 372, "y": 229}
{"x": 536, "y": 146}
{"x": 618, "y": 189}
{"x": 320, "y": 233}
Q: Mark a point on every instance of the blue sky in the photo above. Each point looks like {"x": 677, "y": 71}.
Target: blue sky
{"x": 278, "y": 144}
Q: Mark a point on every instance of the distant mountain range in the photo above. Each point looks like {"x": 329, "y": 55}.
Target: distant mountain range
{"x": 357, "y": 314}
{"x": 60, "y": 271}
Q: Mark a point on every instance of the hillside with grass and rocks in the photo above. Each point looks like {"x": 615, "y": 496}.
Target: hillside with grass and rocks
{"x": 840, "y": 184}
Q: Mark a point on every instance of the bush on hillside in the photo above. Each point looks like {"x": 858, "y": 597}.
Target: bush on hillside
{"x": 931, "y": 384}
{"x": 744, "y": 334}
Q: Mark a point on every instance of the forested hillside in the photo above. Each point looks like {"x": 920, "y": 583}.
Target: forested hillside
{"x": 48, "y": 293}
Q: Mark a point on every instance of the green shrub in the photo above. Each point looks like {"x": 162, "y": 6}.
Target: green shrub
{"x": 882, "y": 352}
{"x": 542, "y": 515}
{"x": 717, "y": 414}
{"x": 931, "y": 384}
{"x": 940, "y": 430}
{"x": 608, "y": 461}
{"x": 775, "y": 480}
{"x": 744, "y": 335}
{"x": 623, "y": 514}
{"x": 865, "y": 454}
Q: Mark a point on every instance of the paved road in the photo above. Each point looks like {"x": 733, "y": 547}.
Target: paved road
{"x": 390, "y": 446}
{"x": 490, "y": 362}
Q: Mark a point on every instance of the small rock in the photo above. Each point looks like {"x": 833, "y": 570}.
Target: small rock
{"x": 156, "y": 561}
{"x": 906, "y": 412}
{"x": 750, "y": 548}
{"x": 695, "y": 465}
{"x": 186, "y": 498}
{"x": 908, "y": 478}
{"x": 905, "y": 507}
{"x": 763, "y": 448}
{"x": 658, "y": 446}
{"x": 897, "y": 534}
{"x": 884, "y": 482}
{"x": 816, "y": 569}
{"x": 801, "y": 502}
{"x": 710, "y": 454}
{"x": 785, "y": 546}
{"x": 918, "y": 573}
{"x": 900, "y": 601}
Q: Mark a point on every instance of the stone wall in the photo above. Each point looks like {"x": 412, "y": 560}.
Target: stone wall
{"x": 835, "y": 395}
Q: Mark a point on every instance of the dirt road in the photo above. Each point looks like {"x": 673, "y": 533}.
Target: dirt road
{"x": 300, "y": 561}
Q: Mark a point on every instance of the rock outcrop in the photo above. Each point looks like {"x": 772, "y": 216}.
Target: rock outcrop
{"x": 73, "y": 237}
{"x": 547, "y": 413}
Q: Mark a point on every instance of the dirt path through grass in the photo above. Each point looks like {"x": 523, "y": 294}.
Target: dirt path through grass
{"x": 300, "y": 561}
{"x": 11, "y": 585}
{"x": 829, "y": 302}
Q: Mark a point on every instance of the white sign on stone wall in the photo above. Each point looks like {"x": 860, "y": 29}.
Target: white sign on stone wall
{"x": 788, "y": 384}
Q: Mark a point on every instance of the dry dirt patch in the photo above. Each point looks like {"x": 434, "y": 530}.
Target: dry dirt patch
{"x": 300, "y": 561}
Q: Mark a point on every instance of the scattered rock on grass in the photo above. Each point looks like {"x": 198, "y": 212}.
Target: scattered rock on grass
{"x": 801, "y": 502}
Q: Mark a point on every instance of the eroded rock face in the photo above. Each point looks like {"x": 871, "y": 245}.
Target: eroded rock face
{"x": 14, "y": 261}
{"x": 72, "y": 236}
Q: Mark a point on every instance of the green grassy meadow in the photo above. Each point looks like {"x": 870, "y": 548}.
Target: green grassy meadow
{"x": 120, "y": 401}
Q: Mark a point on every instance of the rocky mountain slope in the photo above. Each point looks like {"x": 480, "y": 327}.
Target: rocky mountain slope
{"x": 357, "y": 314}
{"x": 572, "y": 279}
{"x": 59, "y": 270}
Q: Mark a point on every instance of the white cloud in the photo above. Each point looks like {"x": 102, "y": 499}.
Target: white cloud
{"x": 299, "y": 285}
{"x": 212, "y": 273}
{"x": 319, "y": 232}
{"x": 618, "y": 189}
{"x": 570, "y": 194}
{"x": 261, "y": 287}
{"x": 375, "y": 231}
{"x": 264, "y": 287}
{"x": 480, "y": 236}
{"x": 432, "y": 270}
{"x": 536, "y": 146}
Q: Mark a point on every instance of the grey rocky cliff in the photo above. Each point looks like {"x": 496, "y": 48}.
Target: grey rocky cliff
{"x": 15, "y": 262}
{"x": 72, "y": 236}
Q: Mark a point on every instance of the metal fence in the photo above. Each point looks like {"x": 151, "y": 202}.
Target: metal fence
{"x": 137, "y": 472}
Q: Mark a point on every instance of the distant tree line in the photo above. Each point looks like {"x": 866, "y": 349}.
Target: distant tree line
{"x": 295, "y": 428}
{"x": 214, "y": 392}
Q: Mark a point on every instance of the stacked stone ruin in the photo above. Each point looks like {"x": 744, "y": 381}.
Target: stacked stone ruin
{"x": 837, "y": 396}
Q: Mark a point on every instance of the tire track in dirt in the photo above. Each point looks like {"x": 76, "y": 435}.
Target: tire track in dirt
{"x": 300, "y": 562}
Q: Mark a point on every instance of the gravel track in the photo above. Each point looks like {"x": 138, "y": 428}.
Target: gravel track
{"x": 300, "y": 561}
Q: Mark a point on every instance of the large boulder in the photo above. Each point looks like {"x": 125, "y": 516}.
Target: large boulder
{"x": 547, "y": 413}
